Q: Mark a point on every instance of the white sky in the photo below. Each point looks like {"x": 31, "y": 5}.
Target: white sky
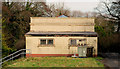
{"x": 72, "y": 0}
{"x": 82, "y": 5}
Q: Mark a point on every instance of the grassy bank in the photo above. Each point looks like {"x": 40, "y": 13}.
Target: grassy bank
{"x": 55, "y": 62}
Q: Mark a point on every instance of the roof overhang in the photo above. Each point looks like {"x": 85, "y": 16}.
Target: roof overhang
{"x": 87, "y": 34}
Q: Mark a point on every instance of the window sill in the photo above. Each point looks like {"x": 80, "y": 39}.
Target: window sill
{"x": 46, "y": 46}
{"x": 77, "y": 46}
{"x": 73, "y": 45}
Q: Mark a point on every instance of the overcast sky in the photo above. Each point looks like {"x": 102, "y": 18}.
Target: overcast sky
{"x": 82, "y": 5}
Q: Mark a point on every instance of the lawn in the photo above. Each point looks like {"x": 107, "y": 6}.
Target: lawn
{"x": 55, "y": 62}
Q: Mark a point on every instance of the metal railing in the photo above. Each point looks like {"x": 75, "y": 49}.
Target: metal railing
{"x": 14, "y": 55}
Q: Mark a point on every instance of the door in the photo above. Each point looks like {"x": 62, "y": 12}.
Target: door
{"x": 89, "y": 52}
{"x": 82, "y": 51}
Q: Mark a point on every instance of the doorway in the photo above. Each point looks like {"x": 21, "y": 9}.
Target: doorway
{"x": 90, "y": 52}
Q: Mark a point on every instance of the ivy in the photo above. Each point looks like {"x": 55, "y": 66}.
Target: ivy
{"x": 100, "y": 30}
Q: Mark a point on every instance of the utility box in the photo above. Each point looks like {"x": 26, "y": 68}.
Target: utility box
{"x": 82, "y": 51}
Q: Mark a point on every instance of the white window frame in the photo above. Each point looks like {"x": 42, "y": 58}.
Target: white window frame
{"x": 46, "y": 42}
{"x": 77, "y": 39}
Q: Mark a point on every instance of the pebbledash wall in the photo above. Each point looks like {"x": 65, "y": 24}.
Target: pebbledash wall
{"x": 61, "y": 30}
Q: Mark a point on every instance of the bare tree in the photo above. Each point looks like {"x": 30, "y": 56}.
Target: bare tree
{"x": 77, "y": 14}
{"x": 110, "y": 9}
{"x": 83, "y": 14}
{"x": 58, "y": 9}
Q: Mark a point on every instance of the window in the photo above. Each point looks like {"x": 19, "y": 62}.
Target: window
{"x": 73, "y": 42}
{"x": 78, "y": 42}
{"x": 50, "y": 41}
{"x": 42, "y": 41}
{"x": 46, "y": 41}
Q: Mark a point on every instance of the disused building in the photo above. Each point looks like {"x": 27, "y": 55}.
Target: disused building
{"x": 56, "y": 36}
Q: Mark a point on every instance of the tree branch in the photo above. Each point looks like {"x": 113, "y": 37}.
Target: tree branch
{"x": 104, "y": 15}
{"x": 109, "y": 11}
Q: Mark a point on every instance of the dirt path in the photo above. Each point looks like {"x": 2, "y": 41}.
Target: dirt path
{"x": 111, "y": 60}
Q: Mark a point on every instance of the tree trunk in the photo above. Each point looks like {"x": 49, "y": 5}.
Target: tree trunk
{"x": 118, "y": 29}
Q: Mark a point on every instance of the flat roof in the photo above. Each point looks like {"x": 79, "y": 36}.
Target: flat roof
{"x": 63, "y": 33}
{"x": 65, "y": 18}
{"x": 61, "y": 20}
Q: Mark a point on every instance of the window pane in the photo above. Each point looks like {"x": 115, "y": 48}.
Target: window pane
{"x": 42, "y": 41}
{"x": 50, "y": 41}
{"x": 73, "y": 42}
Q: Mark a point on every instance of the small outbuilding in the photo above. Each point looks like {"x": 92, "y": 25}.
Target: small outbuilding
{"x": 61, "y": 36}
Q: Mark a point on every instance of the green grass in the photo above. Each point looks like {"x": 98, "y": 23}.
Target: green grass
{"x": 55, "y": 62}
